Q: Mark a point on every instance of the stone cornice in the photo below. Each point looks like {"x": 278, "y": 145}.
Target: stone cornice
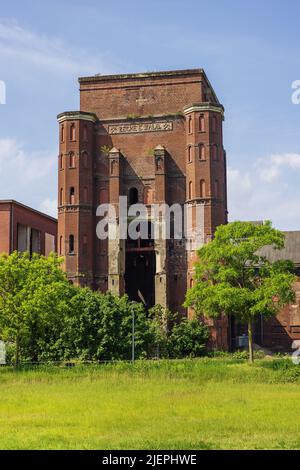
{"x": 214, "y": 107}
{"x": 76, "y": 115}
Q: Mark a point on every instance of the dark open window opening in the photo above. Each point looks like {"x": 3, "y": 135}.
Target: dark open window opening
{"x": 133, "y": 196}
{"x": 71, "y": 244}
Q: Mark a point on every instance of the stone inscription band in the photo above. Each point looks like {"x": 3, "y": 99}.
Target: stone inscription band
{"x": 140, "y": 127}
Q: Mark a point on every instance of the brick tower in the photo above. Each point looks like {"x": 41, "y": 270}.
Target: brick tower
{"x": 155, "y": 138}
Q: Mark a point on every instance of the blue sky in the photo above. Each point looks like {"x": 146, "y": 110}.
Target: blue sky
{"x": 249, "y": 49}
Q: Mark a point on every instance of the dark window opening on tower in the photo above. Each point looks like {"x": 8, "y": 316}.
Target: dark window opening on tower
{"x": 71, "y": 244}
{"x": 133, "y": 196}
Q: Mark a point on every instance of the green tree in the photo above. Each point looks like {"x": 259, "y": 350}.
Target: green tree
{"x": 99, "y": 327}
{"x": 33, "y": 295}
{"x": 188, "y": 338}
{"x": 234, "y": 278}
{"x": 116, "y": 329}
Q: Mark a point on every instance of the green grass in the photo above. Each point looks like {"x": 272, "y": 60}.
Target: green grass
{"x": 208, "y": 403}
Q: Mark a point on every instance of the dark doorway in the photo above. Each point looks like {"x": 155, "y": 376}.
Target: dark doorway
{"x": 139, "y": 276}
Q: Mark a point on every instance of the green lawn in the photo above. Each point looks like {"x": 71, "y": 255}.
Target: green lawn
{"x": 194, "y": 404}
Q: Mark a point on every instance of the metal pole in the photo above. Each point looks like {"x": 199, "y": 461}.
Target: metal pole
{"x": 133, "y": 345}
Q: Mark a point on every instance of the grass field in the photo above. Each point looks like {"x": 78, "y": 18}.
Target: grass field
{"x": 193, "y": 404}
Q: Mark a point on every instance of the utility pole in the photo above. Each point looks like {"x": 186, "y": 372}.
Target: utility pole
{"x": 133, "y": 335}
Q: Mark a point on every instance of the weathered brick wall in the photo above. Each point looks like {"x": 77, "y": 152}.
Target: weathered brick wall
{"x": 142, "y": 116}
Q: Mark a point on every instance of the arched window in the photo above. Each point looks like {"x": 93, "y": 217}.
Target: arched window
{"x": 72, "y": 132}
{"x": 201, "y": 152}
{"x": 62, "y": 133}
{"x": 214, "y": 152}
{"x": 202, "y": 188}
{"x": 72, "y": 195}
{"x": 60, "y": 245}
{"x": 113, "y": 167}
{"x": 85, "y": 194}
{"x": 201, "y": 123}
{"x": 85, "y": 133}
{"x": 148, "y": 195}
{"x": 190, "y": 125}
{"x": 133, "y": 196}
{"x": 60, "y": 161}
{"x": 61, "y": 196}
{"x": 191, "y": 282}
{"x": 189, "y": 153}
{"x": 190, "y": 190}
{"x": 84, "y": 159}
{"x": 71, "y": 244}
{"x": 71, "y": 160}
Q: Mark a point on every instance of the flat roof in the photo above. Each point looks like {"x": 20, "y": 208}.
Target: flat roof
{"x": 16, "y": 203}
{"x": 154, "y": 74}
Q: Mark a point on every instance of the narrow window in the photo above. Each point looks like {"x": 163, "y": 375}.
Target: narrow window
{"x": 190, "y": 190}
{"x": 62, "y": 133}
{"x": 71, "y": 160}
{"x": 60, "y": 162}
{"x": 190, "y": 125}
{"x": 201, "y": 152}
{"x": 71, "y": 244}
{"x": 72, "y": 132}
{"x": 60, "y": 245}
{"x": 113, "y": 168}
{"x": 201, "y": 123}
{"x": 133, "y": 196}
{"x": 148, "y": 195}
{"x": 189, "y": 154}
{"x": 72, "y": 195}
{"x": 61, "y": 197}
{"x": 202, "y": 188}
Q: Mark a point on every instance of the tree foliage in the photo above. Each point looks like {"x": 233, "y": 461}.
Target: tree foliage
{"x": 45, "y": 318}
{"x": 33, "y": 297}
{"x": 233, "y": 277}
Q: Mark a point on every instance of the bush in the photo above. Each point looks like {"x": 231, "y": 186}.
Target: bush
{"x": 188, "y": 338}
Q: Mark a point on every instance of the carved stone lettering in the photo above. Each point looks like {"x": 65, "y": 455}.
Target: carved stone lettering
{"x": 140, "y": 127}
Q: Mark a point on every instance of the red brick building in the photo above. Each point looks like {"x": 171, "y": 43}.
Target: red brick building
{"x": 156, "y": 138}
{"x": 26, "y": 229}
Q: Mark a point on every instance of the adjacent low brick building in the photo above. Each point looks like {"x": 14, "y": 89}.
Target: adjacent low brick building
{"x": 25, "y": 229}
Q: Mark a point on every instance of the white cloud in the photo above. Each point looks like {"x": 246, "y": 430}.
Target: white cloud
{"x": 270, "y": 168}
{"x": 51, "y": 53}
{"x": 252, "y": 195}
{"x": 26, "y": 176}
{"x": 49, "y": 206}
